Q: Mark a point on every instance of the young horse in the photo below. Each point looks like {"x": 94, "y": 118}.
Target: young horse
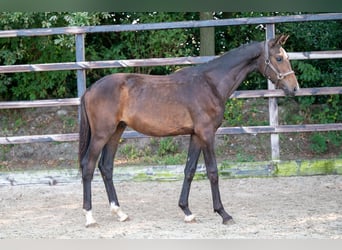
{"x": 189, "y": 101}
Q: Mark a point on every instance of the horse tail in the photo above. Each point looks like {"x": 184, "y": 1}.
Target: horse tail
{"x": 85, "y": 132}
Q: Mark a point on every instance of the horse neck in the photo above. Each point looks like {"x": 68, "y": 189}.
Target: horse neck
{"x": 227, "y": 72}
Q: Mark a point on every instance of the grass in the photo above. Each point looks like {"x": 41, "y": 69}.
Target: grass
{"x": 161, "y": 151}
{"x": 169, "y": 151}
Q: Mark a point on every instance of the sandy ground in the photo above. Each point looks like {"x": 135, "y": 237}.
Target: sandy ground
{"x": 292, "y": 207}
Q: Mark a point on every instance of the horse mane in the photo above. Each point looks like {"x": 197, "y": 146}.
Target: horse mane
{"x": 236, "y": 55}
{"x": 241, "y": 50}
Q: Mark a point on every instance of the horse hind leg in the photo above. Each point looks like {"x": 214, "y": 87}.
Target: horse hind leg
{"x": 106, "y": 165}
{"x": 88, "y": 166}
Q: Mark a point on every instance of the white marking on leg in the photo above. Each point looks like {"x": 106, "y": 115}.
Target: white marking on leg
{"x": 189, "y": 218}
{"x": 116, "y": 210}
{"x": 89, "y": 218}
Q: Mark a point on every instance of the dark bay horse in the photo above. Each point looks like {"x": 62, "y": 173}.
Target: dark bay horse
{"x": 190, "y": 101}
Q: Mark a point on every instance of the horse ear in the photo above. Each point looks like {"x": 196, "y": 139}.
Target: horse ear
{"x": 282, "y": 39}
{"x": 279, "y": 40}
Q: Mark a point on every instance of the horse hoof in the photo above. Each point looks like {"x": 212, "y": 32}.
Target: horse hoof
{"x": 228, "y": 222}
{"x": 116, "y": 210}
{"x": 124, "y": 218}
{"x": 190, "y": 218}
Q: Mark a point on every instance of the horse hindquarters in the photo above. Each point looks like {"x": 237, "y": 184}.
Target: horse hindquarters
{"x": 99, "y": 131}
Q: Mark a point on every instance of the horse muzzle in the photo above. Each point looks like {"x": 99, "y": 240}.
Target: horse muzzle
{"x": 289, "y": 89}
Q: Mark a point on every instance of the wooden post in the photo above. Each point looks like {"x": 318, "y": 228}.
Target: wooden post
{"x": 273, "y": 105}
{"x": 207, "y": 36}
{"x": 81, "y": 73}
{"x": 80, "y": 57}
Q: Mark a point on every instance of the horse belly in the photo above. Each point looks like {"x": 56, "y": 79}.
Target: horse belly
{"x": 156, "y": 120}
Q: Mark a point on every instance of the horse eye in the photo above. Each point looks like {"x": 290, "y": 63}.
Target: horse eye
{"x": 279, "y": 59}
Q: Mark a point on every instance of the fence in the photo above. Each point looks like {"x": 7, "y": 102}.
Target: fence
{"x": 81, "y": 66}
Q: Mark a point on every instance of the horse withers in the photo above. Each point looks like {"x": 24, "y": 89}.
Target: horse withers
{"x": 190, "y": 101}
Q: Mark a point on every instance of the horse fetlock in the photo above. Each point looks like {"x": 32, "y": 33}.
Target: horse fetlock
{"x": 116, "y": 210}
{"x": 90, "y": 221}
{"x": 190, "y": 218}
{"x": 228, "y": 221}
{"x": 226, "y": 218}
{"x": 185, "y": 207}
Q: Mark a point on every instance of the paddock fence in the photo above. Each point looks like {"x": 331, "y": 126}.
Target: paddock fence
{"x": 81, "y": 66}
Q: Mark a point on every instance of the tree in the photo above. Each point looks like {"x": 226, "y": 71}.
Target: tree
{"x": 207, "y": 36}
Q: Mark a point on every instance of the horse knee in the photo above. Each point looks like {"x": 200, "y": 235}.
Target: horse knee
{"x": 87, "y": 175}
{"x": 213, "y": 176}
{"x": 87, "y": 171}
{"x": 189, "y": 176}
{"x": 107, "y": 173}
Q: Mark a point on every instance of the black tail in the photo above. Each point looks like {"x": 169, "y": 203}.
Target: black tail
{"x": 85, "y": 132}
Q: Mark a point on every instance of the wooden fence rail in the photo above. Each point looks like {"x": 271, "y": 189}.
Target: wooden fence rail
{"x": 81, "y": 66}
{"x": 222, "y": 130}
{"x": 148, "y": 62}
{"x": 131, "y": 134}
{"x": 170, "y": 25}
{"x": 236, "y": 94}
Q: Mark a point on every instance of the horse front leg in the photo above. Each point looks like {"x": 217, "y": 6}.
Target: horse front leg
{"x": 212, "y": 172}
{"x": 189, "y": 172}
{"x": 106, "y": 165}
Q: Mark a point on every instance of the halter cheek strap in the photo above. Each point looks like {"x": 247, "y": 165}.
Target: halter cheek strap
{"x": 268, "y": 63}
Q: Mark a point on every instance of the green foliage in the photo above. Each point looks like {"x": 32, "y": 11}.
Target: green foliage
{"x": 335, "y": 138}
{"x": 33, "y": 50}
{"x": 129, "y": 151}
{"x": 163, "y": 151}
{"x": 142, "y": 44}
{"x": 242, "y": 112}
{"x": 307, "y": 72}
{"x": 312, "y": 111}
{"x": 243, "y": 157}
{"x": 167, "y": 146}
{"x": 317, "y": 36}
{"x": 320, "y": 142}
{"x": 173, "y": 159}
{"x": 233, "y": 112}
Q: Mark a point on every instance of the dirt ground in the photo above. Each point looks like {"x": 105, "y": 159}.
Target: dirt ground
{"x": 266, "y": 208}
{"x": 292, "y": 207}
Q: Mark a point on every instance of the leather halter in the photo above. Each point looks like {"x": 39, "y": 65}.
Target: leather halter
{"x": 268, "y": 63}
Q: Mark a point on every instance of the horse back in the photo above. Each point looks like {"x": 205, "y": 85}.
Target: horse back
{"x": 154, "y": 105}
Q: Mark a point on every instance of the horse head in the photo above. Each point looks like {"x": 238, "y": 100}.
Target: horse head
{"x": 276, "y": 65}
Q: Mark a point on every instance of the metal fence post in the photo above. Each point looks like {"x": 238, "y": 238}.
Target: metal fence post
{"x": 273, "y": 105}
